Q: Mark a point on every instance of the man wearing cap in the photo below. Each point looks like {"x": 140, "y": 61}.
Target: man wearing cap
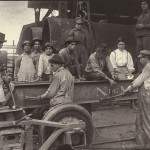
{"x": 61, "y": 87}
{"x": 25, "y": 65}
{"x": 96, "y": 64}
{"x": 142, "y": 82}
{"x": 44, "y": 69}
{"x": 36, "y": 50}
{"x": 80, "y": 36}
{"x": 70, "y": 58}
{"x": 143, "y": 28}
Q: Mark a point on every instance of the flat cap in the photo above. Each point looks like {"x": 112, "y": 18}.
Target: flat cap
{"x": 144, "y": 53}
{"x": 56, "y": 59}
{"x": 79, "y": 20}
{"x": 70, "y": 39}
{"x": 48, "y": 44}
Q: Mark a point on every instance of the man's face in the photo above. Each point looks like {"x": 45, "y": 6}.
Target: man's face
{"x": 48, "y": 50}
{"x": 27, "y": 48}
{"x": 55, "y": 67}
{"x": 71, "y": 46}
{"x": 1, "y": 44}
{"x": 37, "y": 46}
{"x": 79, "y": 26}
{"x": 144, "y": 6}
{"x": 143, "y": 60}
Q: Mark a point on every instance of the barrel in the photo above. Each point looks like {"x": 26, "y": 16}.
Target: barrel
{"x": 75, "y": 113}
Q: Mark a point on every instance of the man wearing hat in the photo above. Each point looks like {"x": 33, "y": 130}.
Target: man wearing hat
{"x": 25, "y": 65}
{"x": 80, "y": 36}
{"x": 70, "y": 58}
{"x": 44, "y": 69}
{"x": 61, "y": 87}
{"x": 142, "y": 82}
{"x": 143, "y": 28}
{"x": 36, "y": 50}
{"x": 97, "y": 62}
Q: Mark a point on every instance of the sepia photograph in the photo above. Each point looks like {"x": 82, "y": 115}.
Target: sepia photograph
{"x": 75, "y": 75}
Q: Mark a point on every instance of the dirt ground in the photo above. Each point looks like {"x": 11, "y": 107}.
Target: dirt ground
{"x": 115, "y": 127}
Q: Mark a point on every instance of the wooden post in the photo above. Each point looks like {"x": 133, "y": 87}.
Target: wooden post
{"x": 37, "y": 15}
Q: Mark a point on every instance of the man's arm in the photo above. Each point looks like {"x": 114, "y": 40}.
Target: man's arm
{"x": 96, "y": 67}
{"x": 17, "y": 66}
{"x": 53, "y": 88}
{"x": 40, "y": 67}
{"x": 109, "y": 66}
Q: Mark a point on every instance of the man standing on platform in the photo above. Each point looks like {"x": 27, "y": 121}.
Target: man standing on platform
{"x": 143, "y": 29}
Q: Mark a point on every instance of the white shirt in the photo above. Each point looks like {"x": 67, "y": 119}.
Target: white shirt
{"x": 44, "y": 65}
{"x": 122, "y": 58}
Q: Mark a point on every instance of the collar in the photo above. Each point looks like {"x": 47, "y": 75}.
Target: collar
{"x": 61, "y": 68}
{"x": 121, "y": 50}
{"x": 37, "y": 52}
{"x": 147, "y": 11}
{"x": 69, "y": 51}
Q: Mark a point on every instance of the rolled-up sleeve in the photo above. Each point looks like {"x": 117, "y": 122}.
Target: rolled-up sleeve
{"x": 142, "y": 77}
{"x": 109, "y": 64}
{"x": 17, "y": 66}
{"x": 96, "y": 67}
{"x": 113, "y": 60}
{"x": 40, "y": 66}
{"x": 53, "y": 88}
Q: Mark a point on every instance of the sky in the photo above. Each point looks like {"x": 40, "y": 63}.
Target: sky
{"x": 13, "y": 15}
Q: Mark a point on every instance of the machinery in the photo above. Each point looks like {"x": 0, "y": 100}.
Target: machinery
{"x": 63, "y": 124}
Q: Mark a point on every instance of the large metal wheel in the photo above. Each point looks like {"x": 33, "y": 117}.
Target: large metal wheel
{"x": 68, "y": 113}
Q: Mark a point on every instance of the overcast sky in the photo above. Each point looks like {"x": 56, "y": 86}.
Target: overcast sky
{"x": 13, "y": 15}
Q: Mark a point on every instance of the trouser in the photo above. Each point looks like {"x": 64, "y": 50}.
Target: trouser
{"x": 142, "y": 43}
{"x": 73, "y": 70}
{"x": 90, "y": 76}
{"x": 82, "y": 55}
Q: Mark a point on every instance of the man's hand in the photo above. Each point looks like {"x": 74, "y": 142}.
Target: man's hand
{"x": 82, "y": 79}
{"x": 39, "y": 97}
{"x": 139, "y": 26}
{"x": 112, "y": 82}
{"x": 37, "y": 79}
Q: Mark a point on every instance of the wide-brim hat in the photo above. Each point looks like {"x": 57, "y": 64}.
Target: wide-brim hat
{"x": 56, "y": 59}
{"x": 144, "y": 53}
{"x": 36, "y": 39}
{"x": 25, "y": 42}
{"x": 71, "y": 39}
{"x": 48, "y": 44}
{"x": 2, "y": 37}
{"x": 79, "y": 20}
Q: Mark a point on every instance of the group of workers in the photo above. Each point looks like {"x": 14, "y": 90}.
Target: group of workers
{"x": 44, "y": 63}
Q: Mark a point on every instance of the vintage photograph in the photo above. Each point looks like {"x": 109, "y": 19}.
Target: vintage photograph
{"x": 75, "y": 75}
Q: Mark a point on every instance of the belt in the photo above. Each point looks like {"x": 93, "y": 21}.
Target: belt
{"x": 121, "y": 66}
